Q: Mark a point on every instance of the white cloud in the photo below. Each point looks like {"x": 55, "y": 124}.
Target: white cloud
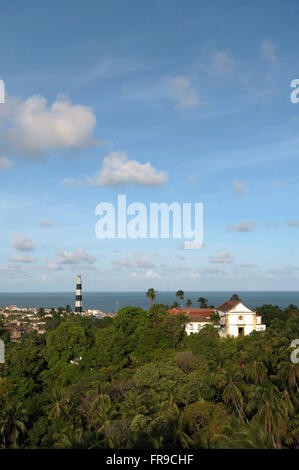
{"x": 46, "y": 223}
{"x": 142, "y": 262}
{"x": 22, "y": 244}
{"x": 53, "y": 266}
{"x": 33, "y": 127}
{"x": 6, "y": 163}
{"x": 138, "y": 260}
{"x": 268, "y": 51}
{"x": 239, "y": 188}
{"x": 123, "y": 262}
{"x": 150, "y": 274}
{"x": 183, "y": 93}
{"x": 5, "y": 268}
{"x": 118, "y": 169}
{"x": 23, "y": 259}
{"x": 221, "y": 257}
{"x": 75, "y": 257}
{"x": 247, "y": 226}
{"x": 14, "y": 270}
{"x": 222, "y": 64}
{"x": 288, "y": 272}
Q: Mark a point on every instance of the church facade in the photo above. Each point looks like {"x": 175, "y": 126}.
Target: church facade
{"x": 235, "y": 318}
{"x": 238, "y": 320}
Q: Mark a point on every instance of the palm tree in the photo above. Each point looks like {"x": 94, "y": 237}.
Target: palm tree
{"x": 203, "y": 303}
{"x": 228, "y": 381}
{"x": 12, "y": 425}
{"x": 249, "y": 436}
{"x": 171, "y": 425}
{"x": 180, "y": 294}
{"x": 270, "y": 407}
{"x": 103, "y": 416}
{"x": 241, "y": 358}
{"x": 292, "y": 437}
{"x": 180, "y": 438}
{"x": 58, "y": 403}
{"x": 188, "y": 303}
{"x": 287, "y": 404}
{"x": 255, "y": 371}
{"x": 70, "y": 438}
{"x": 131, "y": 407}
{"x": 174, "y": 304}
{"x": 152, "y": 294}
{"x": 235, "y": 297}
{"x": 290, "y": 373}
{"x": 215, "y": 318}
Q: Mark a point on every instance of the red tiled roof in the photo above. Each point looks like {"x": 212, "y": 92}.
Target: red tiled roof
{"x": 199, "y": 318}
{"x": 194, "y": 314}
{"x": 16, "y": 334}
{"x": 228, "y": 305}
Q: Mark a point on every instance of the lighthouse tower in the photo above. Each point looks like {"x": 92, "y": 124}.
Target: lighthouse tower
{"x": 78, "y": 305}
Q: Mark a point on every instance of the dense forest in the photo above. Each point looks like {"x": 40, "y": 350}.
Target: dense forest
{"x": 138, "y": 381}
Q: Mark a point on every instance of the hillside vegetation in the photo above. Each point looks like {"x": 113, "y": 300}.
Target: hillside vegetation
{"x": 138, "y": 381}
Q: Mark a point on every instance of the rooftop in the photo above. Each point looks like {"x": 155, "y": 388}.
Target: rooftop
{"x": 194, "y": 314}
{"x": 228, "y": 305}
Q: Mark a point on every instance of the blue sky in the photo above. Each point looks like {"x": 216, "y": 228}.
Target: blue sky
{"x": 190, "y": 100}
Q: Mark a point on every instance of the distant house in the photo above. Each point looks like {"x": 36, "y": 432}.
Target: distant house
{"x": 12, "y": 307}
{"x": 16, "y": 335}
{"x": 235, "y": 318}
{"x": 198, "y": 317}
{"x": 16, "y": 331}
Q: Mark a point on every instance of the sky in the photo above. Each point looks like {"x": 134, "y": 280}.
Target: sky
{"x": 169, "y": 101}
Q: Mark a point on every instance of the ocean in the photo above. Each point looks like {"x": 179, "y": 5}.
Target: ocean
{"x": 111, "y": 301}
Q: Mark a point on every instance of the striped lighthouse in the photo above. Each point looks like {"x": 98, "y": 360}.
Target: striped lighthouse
{"x": 78, "y": 305}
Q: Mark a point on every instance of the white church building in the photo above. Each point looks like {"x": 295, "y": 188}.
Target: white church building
{"x": 235, "y": 318}
{"x": 238, "y": 320}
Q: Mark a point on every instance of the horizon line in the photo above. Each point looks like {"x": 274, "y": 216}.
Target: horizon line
{"x": 139, "y": 291}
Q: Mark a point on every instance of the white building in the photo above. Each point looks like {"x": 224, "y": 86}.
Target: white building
{"x": 238, "y": 320}
{"x": 198, "y": 317}
{"x": 235, "y": 318}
